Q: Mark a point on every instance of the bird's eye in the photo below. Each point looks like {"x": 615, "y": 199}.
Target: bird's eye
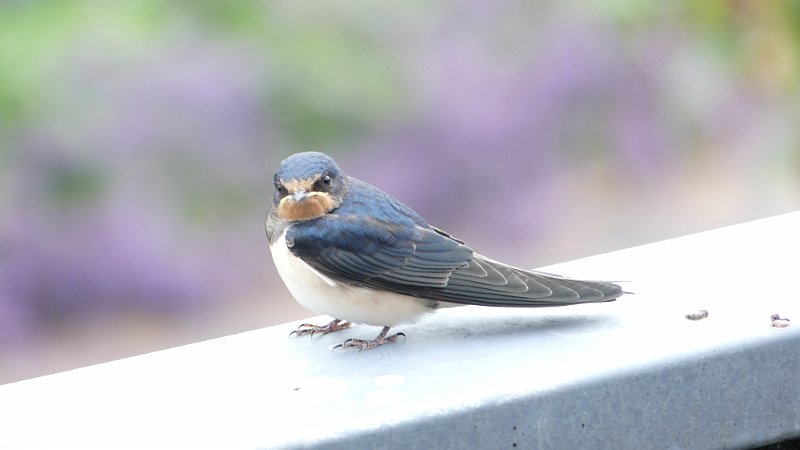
{"x": 281, "y": 188}
{"x": 323, "y": 183}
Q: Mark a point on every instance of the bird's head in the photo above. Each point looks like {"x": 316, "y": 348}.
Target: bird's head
{"x": 307, "y": 185}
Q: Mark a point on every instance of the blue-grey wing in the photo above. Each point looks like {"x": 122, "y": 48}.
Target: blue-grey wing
{"x": 425, "y": 262}
{"x": 397, "y": 256}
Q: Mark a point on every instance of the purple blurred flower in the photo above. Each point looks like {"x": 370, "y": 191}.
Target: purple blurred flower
{"x": 136, "y": 199}
{"x": 497, "y": 127}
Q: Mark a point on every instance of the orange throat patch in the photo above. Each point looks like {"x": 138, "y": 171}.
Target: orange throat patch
{"x": 316, "y": 204}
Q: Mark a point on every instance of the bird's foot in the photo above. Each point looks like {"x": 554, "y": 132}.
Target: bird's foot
{"x": 308, "y": 328}
{"x": 362, "y": 344}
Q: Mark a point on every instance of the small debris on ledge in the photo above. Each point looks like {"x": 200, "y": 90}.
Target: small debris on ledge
{"x": 700, "y": 315}
{"x": 779, "y": 322}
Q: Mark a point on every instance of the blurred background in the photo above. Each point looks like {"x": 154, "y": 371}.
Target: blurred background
{"x": 138, "y": 140}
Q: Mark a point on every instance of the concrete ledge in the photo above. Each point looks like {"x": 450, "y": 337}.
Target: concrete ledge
{"x": 630, "y": 374}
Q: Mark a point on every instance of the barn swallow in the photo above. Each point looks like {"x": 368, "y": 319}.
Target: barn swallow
{"x": 349, "y": 250}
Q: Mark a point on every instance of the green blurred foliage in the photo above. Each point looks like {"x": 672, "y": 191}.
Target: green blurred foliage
{"x": 327, "y": 78}
{"x": 331, "y": 74}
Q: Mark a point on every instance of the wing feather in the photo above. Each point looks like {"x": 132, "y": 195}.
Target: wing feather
{"x": 418, "y": 260}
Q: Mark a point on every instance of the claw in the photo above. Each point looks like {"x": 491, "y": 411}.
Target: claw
{"x": 362, "y": 344}
{"x": 311, "y": 329}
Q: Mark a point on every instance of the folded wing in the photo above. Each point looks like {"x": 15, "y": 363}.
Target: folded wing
{"x": 425, "y": 262}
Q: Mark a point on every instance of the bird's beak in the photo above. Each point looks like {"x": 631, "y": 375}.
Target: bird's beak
{"x": 299, "y": 195}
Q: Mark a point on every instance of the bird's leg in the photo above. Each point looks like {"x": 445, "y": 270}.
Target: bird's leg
{"x": 362, "y": 344}
{"x": 334, "y": 325}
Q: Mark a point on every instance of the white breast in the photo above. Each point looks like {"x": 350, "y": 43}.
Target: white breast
{"x": 324, "y": 295}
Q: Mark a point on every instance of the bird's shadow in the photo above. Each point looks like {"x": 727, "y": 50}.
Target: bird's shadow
{"x": 504, "y": 326}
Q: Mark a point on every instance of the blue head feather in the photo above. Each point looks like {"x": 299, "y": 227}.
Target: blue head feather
{"x": 301, "y": 166}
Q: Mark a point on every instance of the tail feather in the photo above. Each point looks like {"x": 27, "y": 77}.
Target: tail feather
{"x": 490, "y": 283}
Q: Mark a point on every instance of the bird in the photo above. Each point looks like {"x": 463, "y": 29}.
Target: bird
{"x": 349, "y": 250}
